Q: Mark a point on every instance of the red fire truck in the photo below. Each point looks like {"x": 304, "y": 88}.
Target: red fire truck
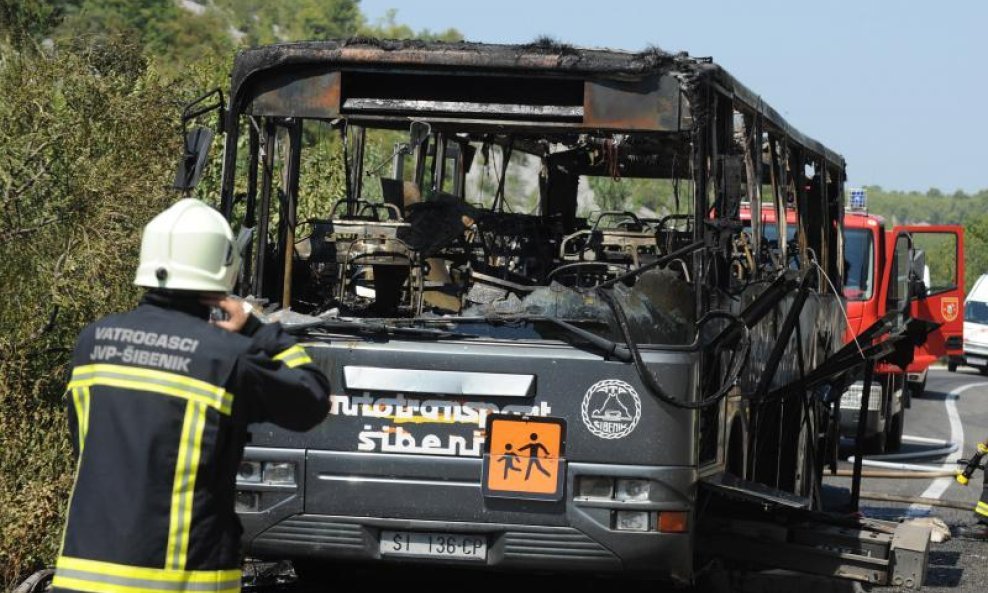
{"x": 879, "y": 263}
{"x": 876, "y": 262}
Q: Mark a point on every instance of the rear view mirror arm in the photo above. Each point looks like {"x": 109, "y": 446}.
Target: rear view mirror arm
{"x": 195, "y": 108}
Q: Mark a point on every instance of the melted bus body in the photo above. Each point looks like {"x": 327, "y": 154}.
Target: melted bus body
{"x": 521, "y": 379}
{"x": 873, "y": 259}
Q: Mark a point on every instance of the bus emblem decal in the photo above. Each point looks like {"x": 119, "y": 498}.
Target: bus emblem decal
{"x": 611, "y": 409}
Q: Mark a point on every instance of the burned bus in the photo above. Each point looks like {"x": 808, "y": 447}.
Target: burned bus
{"x": 523, "y": 268}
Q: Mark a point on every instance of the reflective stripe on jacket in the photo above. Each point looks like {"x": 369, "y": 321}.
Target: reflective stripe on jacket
{"x": 159, "y": 401}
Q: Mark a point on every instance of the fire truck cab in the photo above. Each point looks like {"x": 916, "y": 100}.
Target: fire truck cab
{"x": 924, "y": 262}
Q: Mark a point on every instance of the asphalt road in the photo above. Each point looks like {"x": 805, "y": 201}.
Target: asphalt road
{"x": 955, "y": 407}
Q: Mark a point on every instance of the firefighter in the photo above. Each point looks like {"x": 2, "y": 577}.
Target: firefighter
{"x": 980, "y": 529}
{"x": 159, "y": 400}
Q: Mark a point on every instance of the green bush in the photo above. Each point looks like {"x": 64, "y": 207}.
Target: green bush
{"x": 89, "y": 136}
{"x": 88, "y": 142}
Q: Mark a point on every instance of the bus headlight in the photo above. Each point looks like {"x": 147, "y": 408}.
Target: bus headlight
{"x": 632, "y": 490}
{"x": 595, "y": 487}
{"x": 631, "y": 520}
{"x": 279, "y": 472}
{"x": 249, "y": 471}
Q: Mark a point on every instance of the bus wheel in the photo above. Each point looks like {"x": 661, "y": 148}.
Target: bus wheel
{"x": 796, "y": 461}
{"x": 313, "y": 571}
{"x": 952, "y": 367}
{"x": 735, "y": 451}
{"x": 805, "y": 475}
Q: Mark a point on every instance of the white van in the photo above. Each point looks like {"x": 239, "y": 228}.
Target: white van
{"x": 975, "y": 328}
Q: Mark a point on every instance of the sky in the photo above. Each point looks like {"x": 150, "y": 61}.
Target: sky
{"x": 900, "y": 88}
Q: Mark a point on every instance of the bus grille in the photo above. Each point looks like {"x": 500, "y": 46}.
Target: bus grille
{"x": 568, "y": 544}
{"x": 314, "y": 530}
{"x": 536, "y": 547}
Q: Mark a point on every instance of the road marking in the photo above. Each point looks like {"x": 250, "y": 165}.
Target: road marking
{"x": 939, "y": 486}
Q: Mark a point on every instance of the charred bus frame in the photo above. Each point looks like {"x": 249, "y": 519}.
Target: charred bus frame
{"x": 738, "y": 397}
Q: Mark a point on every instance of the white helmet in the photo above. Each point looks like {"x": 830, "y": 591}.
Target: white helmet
{"x": 189, "y": 246}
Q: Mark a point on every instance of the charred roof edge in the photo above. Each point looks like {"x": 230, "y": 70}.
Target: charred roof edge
{"x": 534, "y": 57}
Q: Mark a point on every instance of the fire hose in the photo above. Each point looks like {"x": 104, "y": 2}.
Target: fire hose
{"x": 889, "y": 467}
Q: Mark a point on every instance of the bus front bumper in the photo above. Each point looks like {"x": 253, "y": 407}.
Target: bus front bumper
{"x": 508, "y": 547}
{"x": 333, "y": 512}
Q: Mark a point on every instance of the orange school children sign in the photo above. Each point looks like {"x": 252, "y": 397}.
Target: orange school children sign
{"x": 523, "y": 457}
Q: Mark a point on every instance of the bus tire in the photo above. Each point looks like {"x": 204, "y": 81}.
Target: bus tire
{"x": 796, "y": 468}
{"x": 736, "y": 461}
{"x": 312, "y": 571}
{"x": 952, "y": 367}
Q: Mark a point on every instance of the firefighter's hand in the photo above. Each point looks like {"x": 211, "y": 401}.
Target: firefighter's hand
{"x": 237, "y": 312}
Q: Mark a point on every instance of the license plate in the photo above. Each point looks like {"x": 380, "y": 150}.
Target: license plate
{"x": 976, "y": 360}
{"x": 434, "y": 545}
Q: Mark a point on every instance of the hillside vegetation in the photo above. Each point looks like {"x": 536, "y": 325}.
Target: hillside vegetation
{"x": 89, "y": 136}
{"x": 935, "y": 207}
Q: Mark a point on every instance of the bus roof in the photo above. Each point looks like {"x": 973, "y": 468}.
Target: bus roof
{"x": 598, "y": 88}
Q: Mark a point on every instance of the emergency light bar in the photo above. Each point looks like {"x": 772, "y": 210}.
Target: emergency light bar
{"x": 858, "y": 201}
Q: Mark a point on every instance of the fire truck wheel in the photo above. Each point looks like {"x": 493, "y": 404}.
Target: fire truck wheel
{"x": 952, "y": 367}
{"x": 918, "y": 389}
{"x": 983, "y": 370}
{"x": 876, "y": 443}
{"x": 894, "y": 440}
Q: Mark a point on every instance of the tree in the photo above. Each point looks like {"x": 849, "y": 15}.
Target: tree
{"x": 975, "y": 249}
{"x": 936, "y": 207}
{"x": 610, "y": 194}
{"x": 388, "y": 27}
{"x": 87, "y": 142}
{"x": 146, "y": 21}
{"x": 23, "y": 20}
{"x": 262, "y": 22}
{"x": 89, "y": 136}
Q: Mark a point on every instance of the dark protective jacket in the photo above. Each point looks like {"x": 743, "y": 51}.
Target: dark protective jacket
{"x": 159, "y": 402}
